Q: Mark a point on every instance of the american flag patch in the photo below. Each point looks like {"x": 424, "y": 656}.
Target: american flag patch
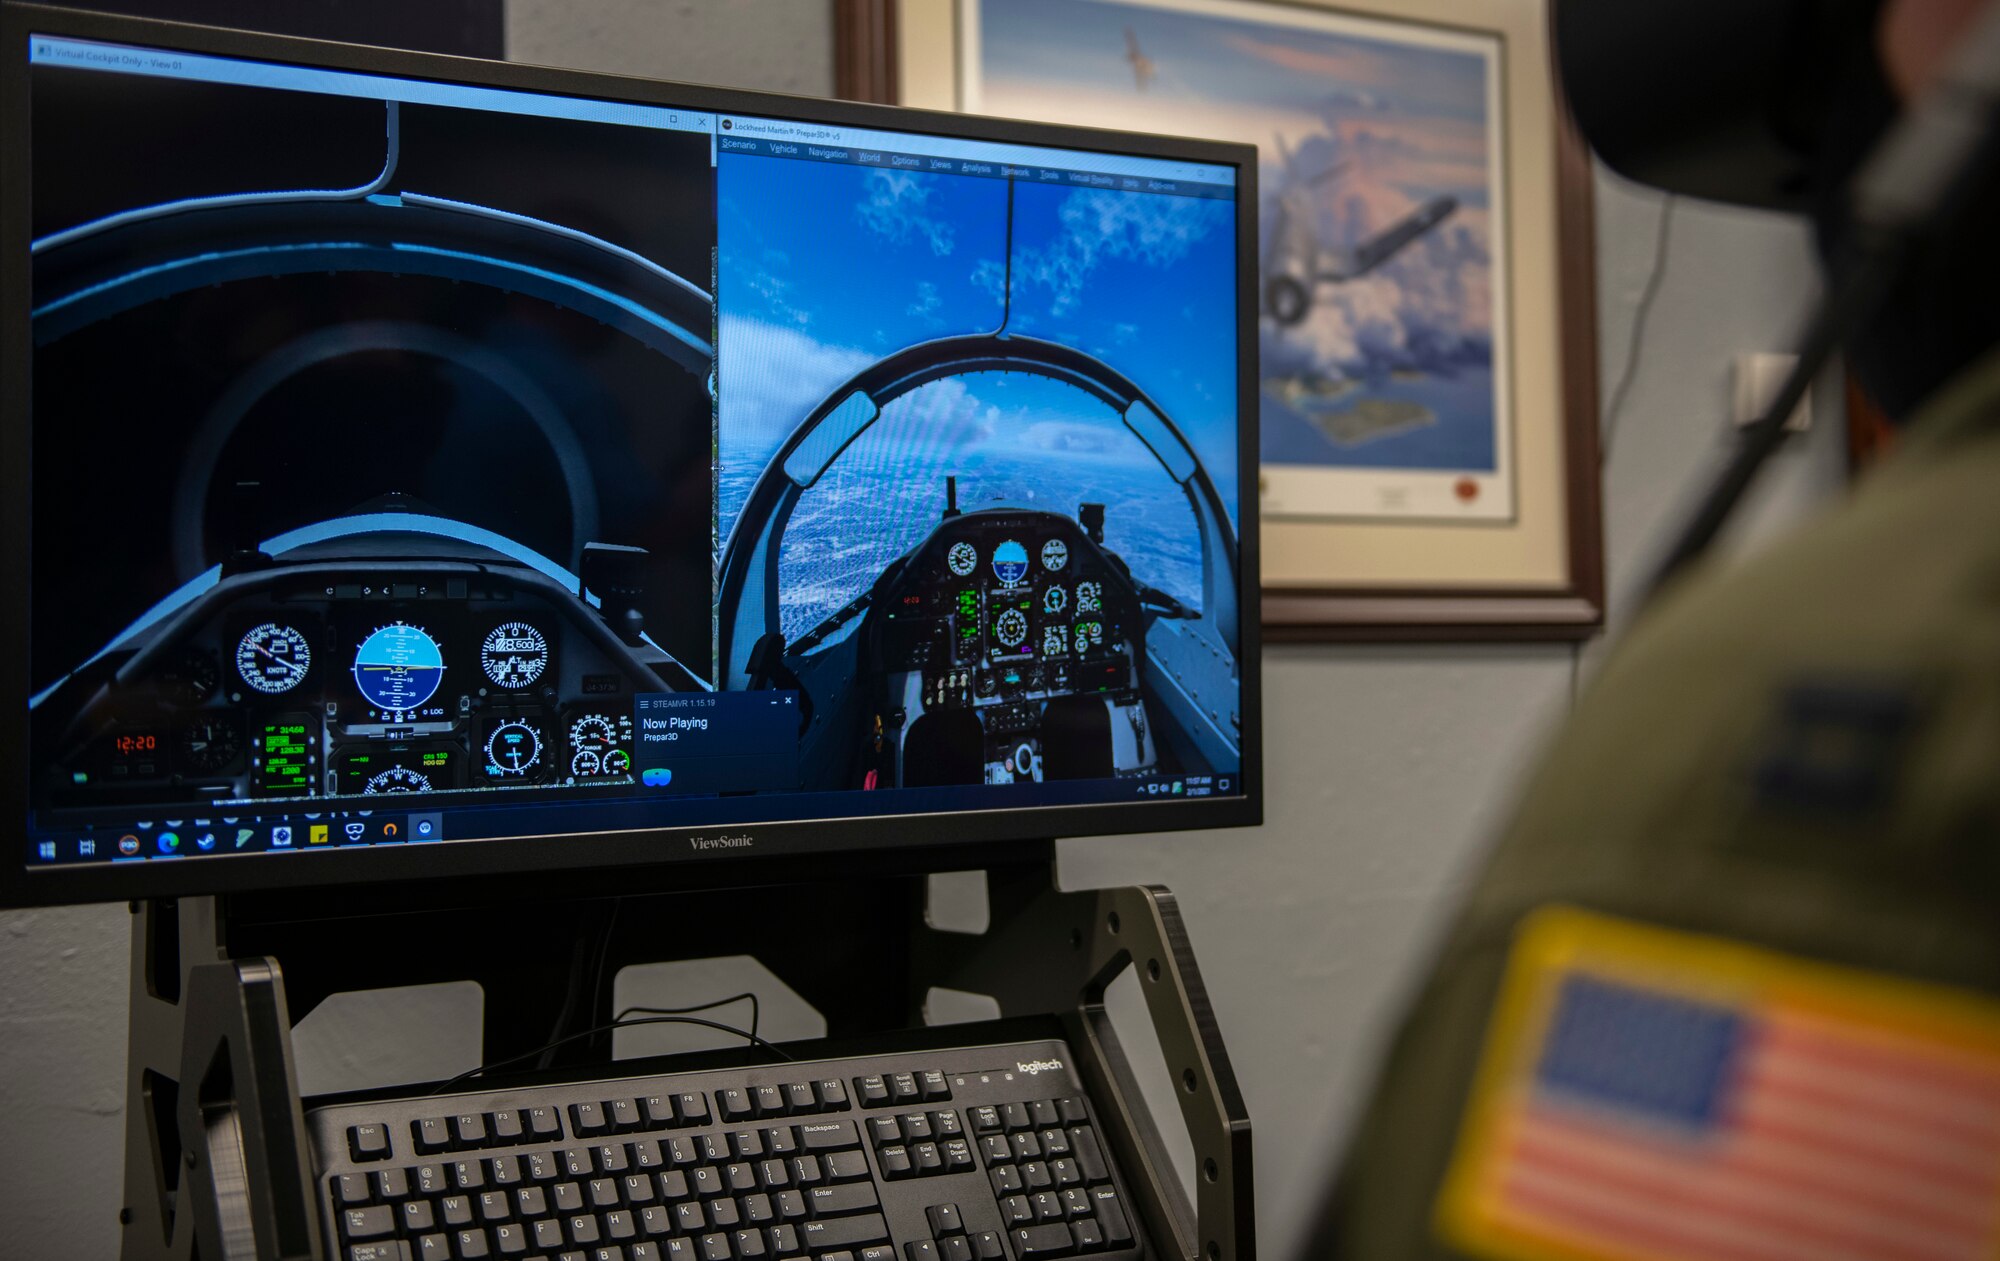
{"x": 1649, "y": 1095}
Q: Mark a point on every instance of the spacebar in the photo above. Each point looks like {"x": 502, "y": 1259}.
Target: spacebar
{"x": 844, "y": 1232}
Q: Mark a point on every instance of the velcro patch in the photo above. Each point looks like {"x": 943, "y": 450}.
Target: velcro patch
{"x": 1650, "y": 1095}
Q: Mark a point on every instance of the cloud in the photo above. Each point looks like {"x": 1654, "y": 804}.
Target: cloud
{"x": 927, "y": 305}
{"x": 1098, "y": 224}
{"x": 768, "y": 377}
{"x": 1347, "y": 63}
{"x": 897, "y": 205}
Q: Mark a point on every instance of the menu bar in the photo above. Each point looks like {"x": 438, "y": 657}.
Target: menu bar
{"x": 909, "y": 151}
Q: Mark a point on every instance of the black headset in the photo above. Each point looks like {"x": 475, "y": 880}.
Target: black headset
{"x": 1720, "y": 99}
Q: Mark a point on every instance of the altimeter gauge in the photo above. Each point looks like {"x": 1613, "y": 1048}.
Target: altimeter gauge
{"x": 514, "y": 654}
{"x": 963, "y": 558}
{"x": 1055, "y": 554}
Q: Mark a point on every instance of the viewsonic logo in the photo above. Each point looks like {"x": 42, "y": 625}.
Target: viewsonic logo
{"x": 1037, "y": 1066}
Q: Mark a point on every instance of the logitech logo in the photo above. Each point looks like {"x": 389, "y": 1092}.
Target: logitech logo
{"x": 1037, "y": 1066}
{"x": 743, "y": 841}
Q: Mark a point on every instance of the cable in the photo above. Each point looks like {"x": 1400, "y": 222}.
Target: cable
{"x": 616, "y": 1024}
{"x": 1642, "y": 311}
{"x": 756, "y": 1015}
{"x": 592, "y": 948}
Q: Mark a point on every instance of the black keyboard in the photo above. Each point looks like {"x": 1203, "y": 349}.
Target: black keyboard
{"x": 973, "y": 1154}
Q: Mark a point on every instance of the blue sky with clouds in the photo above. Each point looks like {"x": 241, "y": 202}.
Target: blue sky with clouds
{"x": 824, "y": 268}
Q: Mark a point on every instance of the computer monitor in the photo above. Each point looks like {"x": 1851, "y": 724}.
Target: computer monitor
{"x": 420, "y": 466}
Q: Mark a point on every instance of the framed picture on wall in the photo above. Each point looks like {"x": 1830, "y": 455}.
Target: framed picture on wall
{"x": 1426, "y": 325}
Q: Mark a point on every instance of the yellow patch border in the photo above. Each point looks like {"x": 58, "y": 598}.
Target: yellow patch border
{"x": 1555, "y": 940}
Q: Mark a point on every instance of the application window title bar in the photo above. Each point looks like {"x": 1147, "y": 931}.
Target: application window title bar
{"x": 779, "y": 137}
{"x": 159, "y": 63}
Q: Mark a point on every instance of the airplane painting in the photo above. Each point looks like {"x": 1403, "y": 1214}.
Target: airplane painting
{"x": 1382, "y": 297}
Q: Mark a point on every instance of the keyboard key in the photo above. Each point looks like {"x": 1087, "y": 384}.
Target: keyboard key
{"x": 611, "y": 1158}
{"x": 367, "y": 1223}
{"x": 510, "y": 1240}
{"x": 957, "y": 1155}
{"x": 674, "y": 1185}
{"x": 624, "y": 1115}
{"x": 806, "y": 1171}
{"x": 1089, "y": 1156}
{"x": 656, "y": 1219}
{"x": 758, "y": 1210}
{"x": 432, "y": 1135}
{"x": 714, "y": 1148}
{"x": 619, "y": 1224}
{"x": 872, "y": 1091}
{"x": 724, "y": 1213}
{"x": 392, "y": 1184}
{"x": 895, "y": 1163}
{"x": 368, "y": 1142}
{"x": 750, "y": 1244}
{"x": 682, "y": 1150}
{"x": 646, "y": 1154}
{"x": 1076, "y": 1202}
{"x": 734, "y": 1104}
{"x": 504, "y": 1171}
{"x": 544, "y": 1124}
{"x": 883, "y": 1130}
{"x": 1043, "y": 1113}
{"x": 418, "y": 1217}
{"x": 568, "y": 1197}
{"x": 542, "y": 1166}
{"x": 601, "y": 1193}
{"x": 844, "y": 1166}
{"x": 935, "y": 1087}
{"x": 903, "y": 1088}
{"x": 690, "y": 1217}
{"x": 842, "y": 1232}
{"x": 781, "y": 1141}
{"x": 740, "y": 1177}
{"x": 986, "y": 1120}
{"x": 431, "y": 1180}
{"x": 997, "y": 1150}
{"x": 946, "y": 1125}
{"x": 839, "y": 1201}
{"x": 691, "y": 1109}
{"x": 1110, "y": 1212}
{"x": 434, "y": 1248}
{"x": 350, "y": 1189}
{"x": 1065, "y": 1172}
{"x": 495, "y": 1206}
{"x": 588, "y": 1120}
{"x": 770, "y": 1101}
{"x": 508, "y": 1127}
{"x": 468, "y": 1130}
{"x": 656, "y": 1112}
{"x": 472, "y": 1245}
{"x": 799, "y": 1098}
{"x": 639, "y": 1188}
{"x": 583, "y": 1229}
{"x": 880, "y": 1252}
{"x": 455, "y": 1211}
{"x": 1026, "y": 1146}
{"x": 920, "y": 1250}
{"x": 1050, "y": 1239}
{"x": 1006, "y": 1180}
{"x": 746, "y": 1145}
{"x": 1054, "y": 1143}
{"x": 954, "y": 1248}
{"x": 1015, "y": 1115}
{"x": 468, "y": 1175}
{"x": 714, "y": 1247}
{"x": 706, "y": 1181}
{"x": 831, "y": 1135}
{"x": 532, "y": 1202}
{"x": 385, "y": 1250}
{"x": 784, "y": 1239}
{"x": 917, "y": 1128}
{"x": 645, "y": 1250}
{"x": 1016, "y": 1211}
{"x": 1089, "y": 1236}
{"x": 791, "y": 1205}
{"x": 1072, "y": 1111}
{"x": 1036, "y": 1175}
{"x": 833, "y": 1095}
{"x": 944, "y": 1219}
{"x": 926, "y": 1158}
{"x": 576, "y": 1162}
{"x": 986, "y": 1246}
{"x": 1048, "y": 1206}
{"x": 547, "y": 1234}
{"x": 774, "y": 1175}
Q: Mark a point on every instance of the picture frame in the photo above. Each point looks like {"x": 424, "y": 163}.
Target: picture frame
{"x": 1524, "y": 561}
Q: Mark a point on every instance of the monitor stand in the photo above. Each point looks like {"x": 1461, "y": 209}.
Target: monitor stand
{"x": 216, "y": 1162}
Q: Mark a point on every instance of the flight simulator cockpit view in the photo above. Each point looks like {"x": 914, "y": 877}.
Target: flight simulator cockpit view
{"x": 495, "y": 454}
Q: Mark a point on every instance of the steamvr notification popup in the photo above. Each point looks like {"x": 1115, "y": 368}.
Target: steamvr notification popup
{"x": 717, "y": 742}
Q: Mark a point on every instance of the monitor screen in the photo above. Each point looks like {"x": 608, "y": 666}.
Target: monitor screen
{"x": 433, "y": 462}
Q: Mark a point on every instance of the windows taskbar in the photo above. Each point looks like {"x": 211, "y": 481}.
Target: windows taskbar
{"x": 303, "y": 825}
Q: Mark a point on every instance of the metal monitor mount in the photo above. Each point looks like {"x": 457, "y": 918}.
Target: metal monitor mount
{"x": 216, "y": 1160}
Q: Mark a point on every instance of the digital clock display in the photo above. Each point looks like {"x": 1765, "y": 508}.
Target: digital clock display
{"x": 134, "y": 744}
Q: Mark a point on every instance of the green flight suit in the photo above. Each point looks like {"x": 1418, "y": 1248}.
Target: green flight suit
{"x": 1799, "y": 751}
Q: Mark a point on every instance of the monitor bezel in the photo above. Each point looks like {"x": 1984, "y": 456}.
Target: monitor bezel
{"x": 937, "y": 840}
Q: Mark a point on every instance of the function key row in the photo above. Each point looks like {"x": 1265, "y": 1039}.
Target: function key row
{"x": 648, "y": 1112}
{"x": 468, "y": 1131}
{"x": 793, "y": 1099}
{"x": 890, "y": 1090}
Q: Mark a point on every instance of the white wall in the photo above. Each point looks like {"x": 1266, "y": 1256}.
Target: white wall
{"x": 1388, "y": 767}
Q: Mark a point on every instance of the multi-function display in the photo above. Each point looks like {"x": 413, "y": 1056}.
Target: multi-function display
{"x": 417, "y": 461}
